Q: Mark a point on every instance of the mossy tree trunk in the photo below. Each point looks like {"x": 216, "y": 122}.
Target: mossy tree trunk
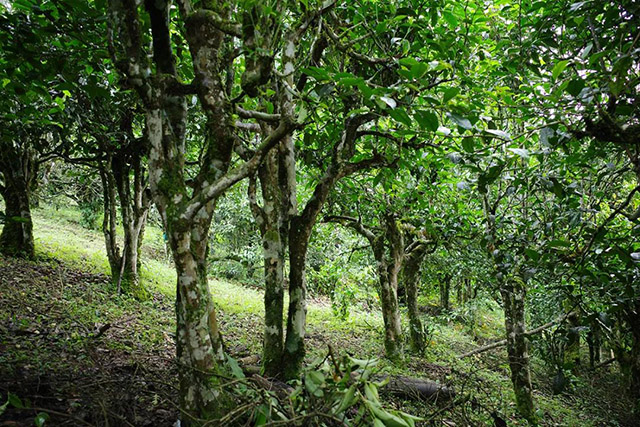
{"x": 388, "y": 250}
{"x": 17, "y": 171}
{"x": 634, "y": 321}
{"x": 300, "y": 229}
{"x": 134, "y": 202}
{"x": 572, "y": 351}
{"x": 110, "y": 218}
{"x": 513, "y": 295}
{"x": 277, "y": 175}
{"x": 294, "y": 348}
{"x": 411, "y": 279}
{"x": 594, "y": 340}
{"x": 445, "y": 292}
{"x": 388, "y": 267}
{"x": 627, "y": 352}
{"x": 512, "y": 288}
{"x": 278, "y": 195}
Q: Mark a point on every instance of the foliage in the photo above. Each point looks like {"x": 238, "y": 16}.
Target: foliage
{"x": 331, "y": 391}
{"x": 505, "y": 135}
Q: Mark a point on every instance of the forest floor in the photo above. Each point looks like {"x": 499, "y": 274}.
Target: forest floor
{"x": 74, "y": 353}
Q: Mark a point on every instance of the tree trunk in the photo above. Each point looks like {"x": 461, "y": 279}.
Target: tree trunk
{"x": 445, "y": 290}
{"x": 109, "y": 220}
{"x": 16, "y": 238}
{"x": 390, "y": 312}
{"x": 633, "y": 359}
{"x": 572, "y": 352}
{"x": 513, "y": 296}
{"x": 388, "y": 270}
{"x": 388, "y": 266}
{"x": 299, "y": 232}
{"x": 593, "y": 340}
{"x": 134, "y": 208}
{"x": 411, "y": 278}
{"x": 199, "y": 343}
{"x": 270, "y": 219}
{"x": 294, "y": 350}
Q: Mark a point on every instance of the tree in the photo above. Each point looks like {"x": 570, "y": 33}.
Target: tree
{"x": 102, "y": 137}
{"x": 206, "y": 53}
{"x": 28, "y": 110}
{"x": 591, "y": 84}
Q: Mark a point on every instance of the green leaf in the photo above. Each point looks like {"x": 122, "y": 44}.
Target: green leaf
{"x": 313, "y": 382}
{"x": 559, "y": 243}
{"x": 400, "y": 115}
{"x": 377, "y": 179}
{"x": 426, "y": 120}
{"x": 520, "y": 152}
{"x": 351, "y": 81}
{"x": 575, "y": 87}
{"x": 371, "y": 391}
{"x": 449, "y": 94}
{"x": 348, "y": 399}
{"x": 499, "y": 133}
{"x": 389, "y": 101}
{"x": 559, "y": 68}
{"x": 451, "y": 20}
{"x": 460, "y": 121}
{"x": 468, "y": 144}
{"x": 235, "y": 368}
{"x": 534, "y": 255}
{"x": 40, "y": 419}
{"x": 320, "y": 74}
{"x": 418, "y": 70}
{"x": 15, "y": 401}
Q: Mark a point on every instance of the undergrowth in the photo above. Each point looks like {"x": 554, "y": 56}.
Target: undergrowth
{"x": 64, "y": 331}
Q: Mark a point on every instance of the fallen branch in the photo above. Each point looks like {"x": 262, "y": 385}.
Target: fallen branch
{"x": 605, "y": 363}
{"x": 418, "y": 388}
{"x": 504, "y": 342}
{"x": 102, "y": 330}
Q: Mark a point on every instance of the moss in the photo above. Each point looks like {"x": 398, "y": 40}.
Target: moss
{"x": 133, "y": 287}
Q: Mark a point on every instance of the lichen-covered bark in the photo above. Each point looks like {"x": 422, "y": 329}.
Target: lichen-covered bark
{"x": 411, "y": 279}
{"x": 390, "y": 313}
{"x": 445, "y": 292}
{"x": 199, "y": 341}
{"x": 513, "y": 296}
{"x": 186, "y": 205}
{"x": 388, "y": 267}
{"x": 270, "y": 220}
{"x": 572, "y": 350}
{"x": 388, "y": 251}
{"x": 16, "y": 170}
{"x": 627, "y": 352}
{"x": 300, "y": 228}
{"x": 294, "y": 349}
{"x": 109, "y": 220}
{"x": 134, "y": 207}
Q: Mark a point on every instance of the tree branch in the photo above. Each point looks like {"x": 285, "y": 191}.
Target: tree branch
{"x": 504, "y": 342}
{"x": 258, "y": 115}
{"x": 226, "y": 26}
{"x": 355, "y": 55}
{"x": 256, "y": 209}
{"x": 353, "y": 223}
{"x": 237, "y": 174}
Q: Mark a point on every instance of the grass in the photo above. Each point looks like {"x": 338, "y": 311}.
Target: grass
{"x": 59, "y": 236}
